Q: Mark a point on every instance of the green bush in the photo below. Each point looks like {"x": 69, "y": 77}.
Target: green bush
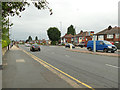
{"x": 63, "y": 44}
{"x": 53, "y": 42}
{"x": 4, "y": 43}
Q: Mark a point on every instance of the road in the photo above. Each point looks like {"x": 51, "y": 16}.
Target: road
{"x": 93, "y": 70}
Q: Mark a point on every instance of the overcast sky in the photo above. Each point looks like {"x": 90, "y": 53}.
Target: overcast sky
{"x": 85, "y": 15}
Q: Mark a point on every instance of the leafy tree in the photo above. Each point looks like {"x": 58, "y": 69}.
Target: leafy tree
{"x": 36, "y": 38}
{"x": 14, "y": 8}
{"x": 71, "y": 30}
{"x": 29, "y": 38}
{"x": 54, "y": 34}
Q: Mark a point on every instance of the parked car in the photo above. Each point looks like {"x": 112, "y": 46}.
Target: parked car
{"x": 102, "y": 45}
{"x": 68, "y": 45}
{"x": 35, "y": 47}
{"x": 112, "y": 42}
{"x": 81, "y": 44}
{"x": 27, "y": 45}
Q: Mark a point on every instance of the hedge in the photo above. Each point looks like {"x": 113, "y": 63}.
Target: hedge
{"x": 4, "y": 43}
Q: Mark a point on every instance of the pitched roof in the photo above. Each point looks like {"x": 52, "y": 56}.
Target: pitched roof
{"x": 82, "y": 34}
{"x": 114, "y": 30}
{"x": 68, "y": 36}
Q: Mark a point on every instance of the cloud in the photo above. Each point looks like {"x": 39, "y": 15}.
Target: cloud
{"x": 83, "y": 14}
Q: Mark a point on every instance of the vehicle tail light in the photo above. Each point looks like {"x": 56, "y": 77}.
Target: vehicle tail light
{"x": 38, "y": 46}
{"x": 33, "y": 46}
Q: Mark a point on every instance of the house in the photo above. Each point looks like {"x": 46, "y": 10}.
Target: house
{"x": 48, "y": 42}
{"x": 21, "y": 41}
{"x": 83, "y": 37}
{"x": 110, "y": 34}
{"x": 67, "y": 38}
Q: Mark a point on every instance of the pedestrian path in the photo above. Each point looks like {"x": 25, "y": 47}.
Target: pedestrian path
{"x": 21, "y": 71}
{"x": 0, "y": 79}
{"x": 96, "y": 53}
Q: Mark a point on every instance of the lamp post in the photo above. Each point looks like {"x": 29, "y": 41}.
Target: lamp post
{"x": 94, "y": 44}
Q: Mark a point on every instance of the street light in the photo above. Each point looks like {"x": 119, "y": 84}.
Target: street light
{"x": 94, "y": 44}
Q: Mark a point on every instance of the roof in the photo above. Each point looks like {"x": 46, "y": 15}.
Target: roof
{"x": 82, "y": 34}
{"x": 114, "y": 30}
{"x": 68, "y": 36}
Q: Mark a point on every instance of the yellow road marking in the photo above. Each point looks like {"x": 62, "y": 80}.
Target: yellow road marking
{"x": 38, "y": 59}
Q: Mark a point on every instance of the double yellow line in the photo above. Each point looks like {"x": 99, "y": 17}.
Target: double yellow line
{"x": 40, "y": 60}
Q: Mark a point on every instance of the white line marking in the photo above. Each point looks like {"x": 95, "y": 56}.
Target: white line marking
{"x": 67, "y": 56}
{"x": 112, "y": 66}
{"x": 20, "y": 60}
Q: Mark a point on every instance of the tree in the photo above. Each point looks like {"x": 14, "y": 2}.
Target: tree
{"x": 54, "y": 34}
{"x": 29, "y": 38}
{"x": 14, "y": 8}
{"x": 36, "y": 38}
{"x": 71, "y": 30}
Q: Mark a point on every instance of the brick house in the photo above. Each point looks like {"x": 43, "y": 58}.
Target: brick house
{"x": 82, "y": 37}
{"x": 67, "y": 38}
{"x": 110, "y": 34}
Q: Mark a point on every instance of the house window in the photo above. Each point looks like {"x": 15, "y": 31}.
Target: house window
{"x": 76, "y": 39}
{"x": 83, "y": 38}
{"x": 80, "y": 37}
{"x": 110, "y": 36}
{"x": 101, "y": 37}
{"x": 116, "y": 35}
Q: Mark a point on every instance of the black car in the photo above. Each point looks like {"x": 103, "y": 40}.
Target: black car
{"x": 68, "y": 45}
{"x": 35, "y": 47}
{"x": 82, "y": 44}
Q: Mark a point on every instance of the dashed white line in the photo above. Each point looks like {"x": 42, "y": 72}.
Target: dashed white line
{"x": 112, "y": 66}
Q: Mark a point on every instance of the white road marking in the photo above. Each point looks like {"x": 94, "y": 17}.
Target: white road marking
{"x": 112, "y": 66}
{"x": 20, "y": 60}
{"x": 67, "y": 56}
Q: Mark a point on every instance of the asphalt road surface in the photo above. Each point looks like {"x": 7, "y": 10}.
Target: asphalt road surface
{"x": 94, "y": 70}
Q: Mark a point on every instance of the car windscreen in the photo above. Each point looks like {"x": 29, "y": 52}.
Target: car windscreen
{"x": 107, "y": 43}
{"x": 36, "y": 45}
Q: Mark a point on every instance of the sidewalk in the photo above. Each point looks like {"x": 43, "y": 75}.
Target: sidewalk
{"x": 96, "y": 53}
{"x": 0, "y": 79}
{"x": 21, "y": 71}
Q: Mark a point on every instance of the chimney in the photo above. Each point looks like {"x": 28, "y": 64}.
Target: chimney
{"x": 81, "y": 31}
{"x": 109, "y": 28}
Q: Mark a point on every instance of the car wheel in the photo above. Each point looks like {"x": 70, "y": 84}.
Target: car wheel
{"x": 39, "y": 49}
{"x": 33, "y": 50}
{"x": 112, "y": 51}
{"x": 81, "y": 46}
{"x": 89, "y": 49}
{"x": 105, "y": 50}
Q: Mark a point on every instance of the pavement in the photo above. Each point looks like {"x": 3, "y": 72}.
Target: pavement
{"x": 96, "y": 53}
{"x": 0, "y": 56}
{"x": 0, "y": 66}
{"x": 0, "y": 79}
